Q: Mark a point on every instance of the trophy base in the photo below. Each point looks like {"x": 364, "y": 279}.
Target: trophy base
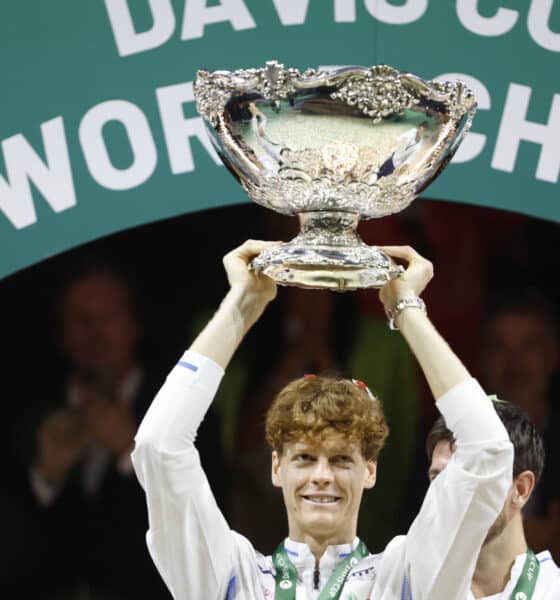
{"x": 327, "y": 254}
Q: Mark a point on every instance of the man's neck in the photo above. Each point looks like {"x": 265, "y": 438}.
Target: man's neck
{"x": 318, "y": 544}
{"x": 493, "y": 567}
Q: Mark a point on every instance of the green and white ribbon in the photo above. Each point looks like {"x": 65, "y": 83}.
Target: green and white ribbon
{"x": 286, "y": 574}
{"x": 527, "y": 581}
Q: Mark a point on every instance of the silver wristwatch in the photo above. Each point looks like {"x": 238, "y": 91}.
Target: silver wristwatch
{"x": 407, "y": 302}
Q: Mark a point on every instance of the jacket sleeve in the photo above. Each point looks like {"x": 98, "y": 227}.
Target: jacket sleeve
{"x": 188, "y": 537}
{"x": 463, "y": 501}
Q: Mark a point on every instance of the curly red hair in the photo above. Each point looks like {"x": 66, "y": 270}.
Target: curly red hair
{"x": 312, "y": 408}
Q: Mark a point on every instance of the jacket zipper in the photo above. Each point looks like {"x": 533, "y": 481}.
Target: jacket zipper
{"x": 316, "y": 579}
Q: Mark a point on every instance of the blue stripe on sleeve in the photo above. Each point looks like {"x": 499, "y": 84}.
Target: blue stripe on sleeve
{"x": 230, "y": 594}
{"x": 184, "y": 363}
{"x": 406, "y": 592}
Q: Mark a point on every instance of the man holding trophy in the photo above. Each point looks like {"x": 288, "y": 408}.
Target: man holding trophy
{"x": 322, "y": 472}
{"x": 315, "y": 144}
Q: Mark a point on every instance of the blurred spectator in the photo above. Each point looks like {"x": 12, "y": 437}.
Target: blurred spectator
{"x": 520, "y": 364}
{"x": 91, "y": 509}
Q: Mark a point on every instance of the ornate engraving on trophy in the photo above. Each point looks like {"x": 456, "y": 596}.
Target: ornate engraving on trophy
{"x": 332, "y": 147}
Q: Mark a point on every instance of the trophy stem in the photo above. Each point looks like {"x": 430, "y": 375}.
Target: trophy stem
{"x": 329, "y": 227}
{"x": 328, "y": 253}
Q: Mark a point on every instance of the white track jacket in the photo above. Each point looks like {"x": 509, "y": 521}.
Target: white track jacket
{"x": 201, "y": 558}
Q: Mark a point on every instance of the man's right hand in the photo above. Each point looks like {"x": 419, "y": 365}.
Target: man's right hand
{"x": 60, "y": 440}
{"x": 240, "y": 277}
{"x": 251, "y": 291}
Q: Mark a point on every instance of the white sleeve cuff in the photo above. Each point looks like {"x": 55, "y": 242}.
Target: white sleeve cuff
{"x": 206, "y": 369}
{"x": 460, "y": 399}
{"x": 469, "y": 413}
{"x": 176, "y": 412}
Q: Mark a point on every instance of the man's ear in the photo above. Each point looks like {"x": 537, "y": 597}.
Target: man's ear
{"x": 371, "y": 466}
{"x": 276, "y": 469}
{"x": 523, "y": 486}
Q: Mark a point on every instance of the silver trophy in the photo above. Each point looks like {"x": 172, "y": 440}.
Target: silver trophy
{"x": 332, "y": 147}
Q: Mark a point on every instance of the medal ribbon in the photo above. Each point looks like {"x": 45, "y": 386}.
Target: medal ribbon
{"x": 528, "y": 579}
{"x": 286, "y": 574}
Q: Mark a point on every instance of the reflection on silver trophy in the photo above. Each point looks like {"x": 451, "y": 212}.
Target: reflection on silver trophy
{"x": 334, "y": 147}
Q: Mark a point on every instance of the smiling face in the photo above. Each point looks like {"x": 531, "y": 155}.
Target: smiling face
{"x": 322, "y": 486}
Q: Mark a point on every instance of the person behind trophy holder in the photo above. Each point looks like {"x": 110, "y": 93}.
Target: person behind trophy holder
{"x": 507, "y": 567}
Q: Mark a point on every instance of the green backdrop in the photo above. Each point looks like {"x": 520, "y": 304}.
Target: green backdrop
{"x": 99, "y": 132}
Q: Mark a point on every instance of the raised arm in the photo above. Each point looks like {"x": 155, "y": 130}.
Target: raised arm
{"x": 442, "y": 369}
{"x": 462, "y": 503}
{"x": 246, "y": 300}
{"x": 188, "y": 538}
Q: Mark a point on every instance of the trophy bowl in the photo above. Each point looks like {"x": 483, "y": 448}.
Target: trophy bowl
{"x": 332, "y": 147}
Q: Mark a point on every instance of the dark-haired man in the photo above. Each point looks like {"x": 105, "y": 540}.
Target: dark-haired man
{"x": 506, "y": 568}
